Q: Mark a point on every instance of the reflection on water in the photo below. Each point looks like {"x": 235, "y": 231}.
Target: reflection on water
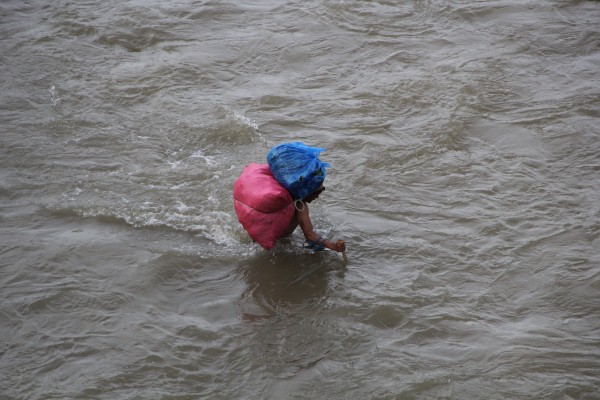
{"x": 286, "y": 303}
{"x": 281, "y": 283}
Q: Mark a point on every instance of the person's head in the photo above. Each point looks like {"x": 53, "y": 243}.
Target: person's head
{"x": 314, "y": 195}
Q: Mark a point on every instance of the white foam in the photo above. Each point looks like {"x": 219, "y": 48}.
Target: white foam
{"x": 200, "y": 154}
{"x": 174, "y": 164}
{"x": 246, "y": 121}
{"x": 54, "y": 99}
{"x": 180, "y": 186}
{"x": 181, "y": 207}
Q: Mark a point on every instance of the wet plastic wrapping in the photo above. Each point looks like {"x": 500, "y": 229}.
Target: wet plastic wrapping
{"x": 263, "y": 206}
{"x": 297, "y": 168}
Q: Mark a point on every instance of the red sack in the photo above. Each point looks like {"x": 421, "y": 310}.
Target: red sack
{"x": 264, "y": 207}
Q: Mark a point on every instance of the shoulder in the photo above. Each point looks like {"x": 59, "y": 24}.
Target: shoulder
{"x": 301, "y": 210}
{"x": 301, "y": 206}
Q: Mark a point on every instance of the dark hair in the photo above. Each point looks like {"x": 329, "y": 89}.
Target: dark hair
{"x": 316, "y": 192}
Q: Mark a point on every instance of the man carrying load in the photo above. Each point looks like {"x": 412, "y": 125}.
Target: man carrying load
{"x": 272, "y": 200}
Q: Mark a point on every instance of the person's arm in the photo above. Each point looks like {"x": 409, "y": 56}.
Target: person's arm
{"x": 303, "y": 218}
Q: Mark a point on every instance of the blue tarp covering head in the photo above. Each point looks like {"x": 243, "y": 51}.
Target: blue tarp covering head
{"x": 297, "y": 168}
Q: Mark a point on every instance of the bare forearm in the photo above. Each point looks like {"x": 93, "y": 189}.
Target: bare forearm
{"x": 330, "y": 245}
{"x": 338, "y": 245}
{"x": 309, "y": 233}
{"x": 313, "y": 236}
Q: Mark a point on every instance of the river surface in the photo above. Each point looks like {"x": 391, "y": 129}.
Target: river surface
{"x": 464, "y": 143}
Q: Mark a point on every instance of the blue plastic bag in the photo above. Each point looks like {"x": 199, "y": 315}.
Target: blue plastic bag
{"x": 297, "y": 168}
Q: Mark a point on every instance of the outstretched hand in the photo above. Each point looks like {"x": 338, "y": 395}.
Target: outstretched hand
{"x": 339, "y": 246}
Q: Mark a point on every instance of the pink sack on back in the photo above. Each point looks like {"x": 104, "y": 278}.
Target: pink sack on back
{"x": 264, "y": 207}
